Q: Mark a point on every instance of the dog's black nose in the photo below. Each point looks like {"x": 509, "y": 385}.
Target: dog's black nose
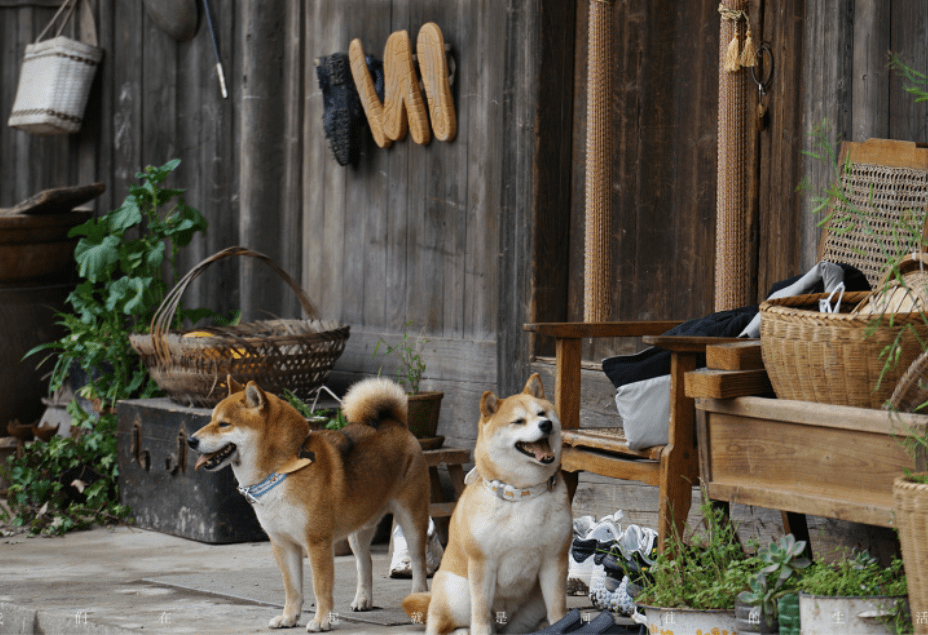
{"x": 193, "y": 442}
{"x": 546, "y": 426}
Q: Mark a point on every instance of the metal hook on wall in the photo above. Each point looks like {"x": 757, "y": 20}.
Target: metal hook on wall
{"x": 763, "y": 84}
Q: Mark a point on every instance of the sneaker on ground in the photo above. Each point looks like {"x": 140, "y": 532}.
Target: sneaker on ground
{"x": 581, "y": 564}
{"x": 400, "y": 564}
{"x": 633, "y": 553}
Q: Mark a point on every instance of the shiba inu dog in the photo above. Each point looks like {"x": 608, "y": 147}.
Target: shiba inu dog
{"x": 310, "y": 489}
{"x": 506, "y": 560}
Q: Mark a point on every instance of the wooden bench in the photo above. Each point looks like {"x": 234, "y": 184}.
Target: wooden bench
{"x": 798, "y": 457}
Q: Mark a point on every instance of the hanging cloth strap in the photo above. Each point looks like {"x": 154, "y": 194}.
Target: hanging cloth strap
{"x": 87, "y": 27}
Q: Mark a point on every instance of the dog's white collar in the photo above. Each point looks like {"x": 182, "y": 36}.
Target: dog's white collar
{"x": 508, "y": 492}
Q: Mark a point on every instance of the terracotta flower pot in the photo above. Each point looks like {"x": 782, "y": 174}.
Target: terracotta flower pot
{"x": 424, "y": 409}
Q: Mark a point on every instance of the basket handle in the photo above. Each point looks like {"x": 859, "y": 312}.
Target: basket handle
{"x": 910, "y": 262}
{"x": 88, "y": 24}
{"x": 161, "y": 322}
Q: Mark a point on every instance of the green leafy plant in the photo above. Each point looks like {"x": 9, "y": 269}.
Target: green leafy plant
{"x": 707, "y": 572}
{"x": 410, "y": 365}
{"x": 782, "y": 562}
{"x": 857, "y": 574}
{"x": 852, "y": 575}
{"x": 333, "y": 417}
{"x": 120, "y": 257}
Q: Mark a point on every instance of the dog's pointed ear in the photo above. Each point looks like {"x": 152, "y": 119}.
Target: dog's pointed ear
{"x": 534, "y": 387}
{"x": 234, "y": 386}
{"x": 489, "y": 404}
{"x": 254, "y": 396}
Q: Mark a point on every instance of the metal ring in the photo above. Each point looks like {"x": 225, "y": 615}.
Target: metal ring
{"x": 764, "y": 84}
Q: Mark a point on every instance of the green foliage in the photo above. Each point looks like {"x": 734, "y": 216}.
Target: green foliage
{"x": 119, "y": 257}
{"x": 782, "y": 562}
{"x": 856, "y": 575}
{"x": 51, "y": 494}
{"x": 410, "y": 365}
{"x": 706, "y": 573}
{"x": 333, "y": 417}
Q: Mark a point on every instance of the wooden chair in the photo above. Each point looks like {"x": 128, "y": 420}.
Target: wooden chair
{"x": 674, "y": 468}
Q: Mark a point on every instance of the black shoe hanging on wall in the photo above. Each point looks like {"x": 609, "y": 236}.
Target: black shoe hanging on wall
{"x": 343, "y": 118}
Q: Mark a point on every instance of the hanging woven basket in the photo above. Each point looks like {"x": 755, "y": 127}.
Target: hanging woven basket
{"x": 56, "y": 77}
{"x": 192, "y": 367}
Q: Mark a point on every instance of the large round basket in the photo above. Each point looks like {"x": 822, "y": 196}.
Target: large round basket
{"x": 192, "y": 367}
{"x": 910, "y": 504}
{"x": 835, "y": 358}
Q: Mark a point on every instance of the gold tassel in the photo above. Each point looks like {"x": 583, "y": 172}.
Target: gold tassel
{"x": 748, "y": 54}
{"x": 731, "y": 56}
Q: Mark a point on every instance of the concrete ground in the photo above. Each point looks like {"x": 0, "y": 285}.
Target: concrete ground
{"x": 122, "y": 580}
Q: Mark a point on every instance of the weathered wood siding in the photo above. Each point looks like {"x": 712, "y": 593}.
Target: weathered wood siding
{"x": 437, "y": 236}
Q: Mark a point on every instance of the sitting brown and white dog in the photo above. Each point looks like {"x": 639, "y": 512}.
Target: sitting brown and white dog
{"x": 506, "y": 560}
{"x": 311, "y": 489}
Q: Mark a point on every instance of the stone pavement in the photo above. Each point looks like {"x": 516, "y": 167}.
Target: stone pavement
{"x": 115, "y": 581}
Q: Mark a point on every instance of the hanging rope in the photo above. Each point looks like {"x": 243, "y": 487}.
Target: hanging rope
{"x": 597, "y": 263}
{"x": 731, "y": 284}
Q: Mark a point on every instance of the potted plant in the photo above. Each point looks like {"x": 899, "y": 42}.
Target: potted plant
{"x": 424, "y": 406}
{"x": 692, "y": 585}
{"x": 318, "y": 418}
{"x": 119, "y": 259}
{"x": 854, "y": 594}
{"x": 757, "y": 609}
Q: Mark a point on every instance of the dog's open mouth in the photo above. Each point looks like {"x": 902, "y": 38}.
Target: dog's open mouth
{"x": 539, "y": 450}
{"x": 214, "y": 459}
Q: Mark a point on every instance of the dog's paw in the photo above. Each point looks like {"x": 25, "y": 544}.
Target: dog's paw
{"x": 283, "y": 621}
{"x": 318, "y": 624}
{"x": 362, "y": 603}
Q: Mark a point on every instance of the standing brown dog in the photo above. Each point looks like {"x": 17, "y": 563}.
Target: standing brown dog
{"x": 311, "y": 489}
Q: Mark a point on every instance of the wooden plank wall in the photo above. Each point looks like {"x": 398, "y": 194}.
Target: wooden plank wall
{"x": 666, "y": 95}
{"x": 412, "y": 234}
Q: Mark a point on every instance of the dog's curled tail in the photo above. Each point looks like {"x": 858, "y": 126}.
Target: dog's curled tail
{"x": 372, "y": 401}
{"x": 416, "y": 606}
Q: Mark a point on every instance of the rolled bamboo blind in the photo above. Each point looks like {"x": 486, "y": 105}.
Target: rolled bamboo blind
{"x": 597, "y": 265}
{"x": 731, "y": 240}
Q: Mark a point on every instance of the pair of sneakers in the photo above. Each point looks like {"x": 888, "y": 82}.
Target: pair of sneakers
{"x": 400, "y": 563}
{"x": 590, "y": 538}
{"x": 623, "y": 568}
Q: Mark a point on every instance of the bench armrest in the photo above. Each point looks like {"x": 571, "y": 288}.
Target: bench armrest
{"x": 583, "y": 330}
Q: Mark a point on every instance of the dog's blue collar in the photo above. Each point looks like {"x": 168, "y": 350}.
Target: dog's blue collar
{"x": 253, "y": 492}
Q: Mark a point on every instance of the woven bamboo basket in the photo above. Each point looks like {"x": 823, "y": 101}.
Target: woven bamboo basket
{"x": 55, "y": 79}
{"x": 834, "y": 358}
{"x": 192, "y": 367}
{"x": 910, "y": 504}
